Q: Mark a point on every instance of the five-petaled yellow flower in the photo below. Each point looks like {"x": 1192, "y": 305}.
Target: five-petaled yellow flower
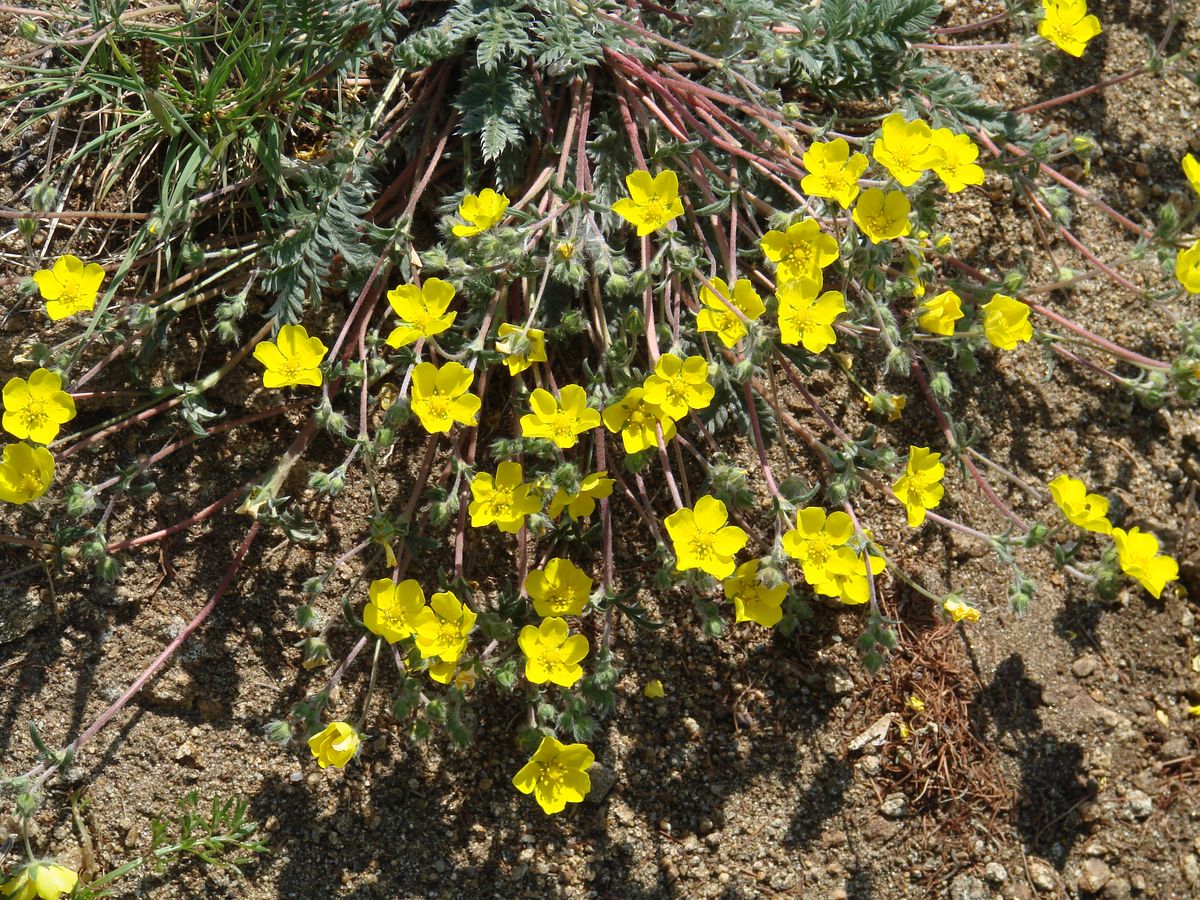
{"x": 336, "y": 745}
{"x": 1088, "y": 511}
{"x": 1006, "y": 322}
{"x": 800, "y": 252}
{"x": 1187, "y": 268}
{"x": 1067, "y": 25}
{"x": 534, "y": 341}
{"x": 805, "y": 318}
{"x": 906, "y": 149}
{"x": 582, "y": 503}
{"x": 832, "y": 171}
{"x": 815, "y": 538}
{"x": 752, "y": 600}
{"x": 959, "y": 611}
{"x": 638, "y": 420}
{"x": 561, "y": 420}
{"x": 552, "y": 653}
{"x": 293, "y": 358}
{"x": 25, "y": 473}
{"x": 36, "y": 409}
{"x": 482, "y": 210}
{"x": 654, "y": 689}
{"x": 504, "y": 501}
{"x": 846, "y": 575}
{"x": 938, "y": 314}
{"x": 1137, "y": 552}
{"x": 441, "y": 396}
{"x": 1191, "y": 171}
{"x": 957, "y": 168}
{"x": 46, "y": 881}
{"x": 560, "y": 589}
{"x": 920, "y": 487}
{"x": 394, "y": 610}
{"x": 70, "y": 287}
{"x": 652, "y": 202}
{"x": 422, "y": 310}
{"x": 556, "y": 774}
{"x": 882, "y": 217}
{"x": 702, "y": 540}
{"x": 679, "y": 385}
{"x": 444, "y": 633}
{"x": 717, "y": 317}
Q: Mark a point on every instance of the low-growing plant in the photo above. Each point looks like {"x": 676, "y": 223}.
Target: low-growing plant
{"x": 599, "y": 255}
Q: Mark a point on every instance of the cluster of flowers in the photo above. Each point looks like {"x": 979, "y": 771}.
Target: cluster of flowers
{"x": 36, "y": 409}
{"x": 835, "y": 559}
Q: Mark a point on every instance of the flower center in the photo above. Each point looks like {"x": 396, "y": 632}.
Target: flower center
{"x": 655, "y": 209}
{"x": 438, "y": 406}
{"x": 562, "y": 427}
{"x": 702, "y": 545}
{"x": 552, "y": 778}
{"x": 30, "y": 483}
{"x": 35, "y": 415}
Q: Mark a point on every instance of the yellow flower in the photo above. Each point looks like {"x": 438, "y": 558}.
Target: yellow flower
{"x": 1191, "y": 171}
{"x": 444, "y": 633}
{"x": 702, "y": 540}
{"x": 562, "y": 420}
{"x": 25, "y": 473}
{"x": 1006, "y": 322}
{"x": 1137, "y": 552}
{"x": 654, "y": 689}
{"x": 504, "y": 500}
{"x": 805, "y": 318}
{"x": 800, "y": 252}
{"x": 556, "y": 775}
{"x": 958, "y": 167}
{"x": 959, "y": 611}
{"x": 1067, "y": 25}
{"x": 1187, "y": 268}
{"x": 906, "y": 149}
{"x": 440, "y": 396}
{"x": 335, "y": 746}
{"x": 814, "y": 539}
{"x": 938, "y": 314}
{"x": 583, "y": 503}
{"x": 679, "y": 385}
{"x": 552, "y": 653}
{"x": 920, "y": 488}
{"x": 915, "y": 703}
{"x": 422, "y": 310}
{"x": 846, "y": 576}
{"x": 535, "y": 352}
{"x": 1194, "y": 710}
{"x": 752, "y": 600}
{"x": 36, "y": 409}
{"x": 1088, "y": 511}
{"x": 561, "y": 589}
{"x": 293, "y": 358}
{"x": 483, "y": 210}
{"x": 395, "y": 610}
{"x": 832, "y": 171}
{"x": 70, "y": 287}
{"x": 636, "y": 419}
{"x": 46, "y": 881}
{"x": 719, "y": 318}
{"x": 882, "y": 217}
{"x": 652, "y": 202}
{"x": 884, "y": 402}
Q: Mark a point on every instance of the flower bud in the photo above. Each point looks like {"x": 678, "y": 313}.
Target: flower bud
{"x": 27, "y": 227}
{"x": 28, "y": 29}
